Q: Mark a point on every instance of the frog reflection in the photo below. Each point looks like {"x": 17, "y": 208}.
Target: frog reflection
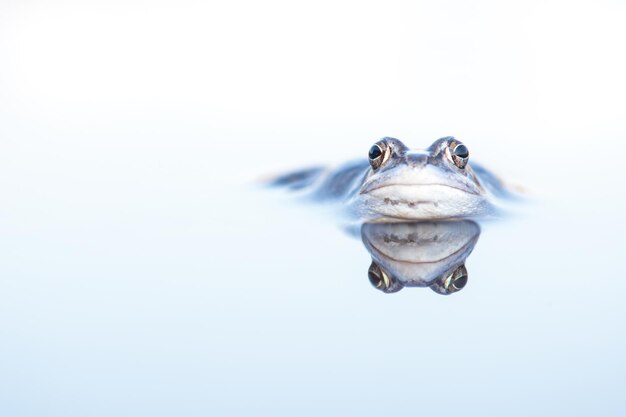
{"x": 419, "y": 254}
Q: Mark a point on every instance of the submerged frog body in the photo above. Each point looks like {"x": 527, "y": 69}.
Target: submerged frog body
{"x": 397, "y": 183}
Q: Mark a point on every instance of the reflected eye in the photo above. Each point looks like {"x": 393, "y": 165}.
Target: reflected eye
{"x": 377, "y": 277}
{"x": 381, "y": 281}
{"x": 459, "y": 154}
{"x": 457, "y": 280}
{"x": 378, "y": 154}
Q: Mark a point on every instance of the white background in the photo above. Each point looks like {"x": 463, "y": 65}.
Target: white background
{"x": 291, "y": 82}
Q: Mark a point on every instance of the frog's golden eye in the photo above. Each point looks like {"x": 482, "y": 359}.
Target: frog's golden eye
{"x": 378, "y": 154}
{"x": 377, "y": 277}
{"x": 459, "y": 154}
{"x": 381, "y": 281}
{"x": 457, "y": 280}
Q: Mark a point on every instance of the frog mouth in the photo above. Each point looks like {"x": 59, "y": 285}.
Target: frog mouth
{"x": 372, "y": 187}
{"x": 424, "y": 183}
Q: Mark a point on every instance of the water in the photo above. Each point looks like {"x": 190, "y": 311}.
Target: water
{"x": 125, "y": 291}
{"x": 145, "y": 272}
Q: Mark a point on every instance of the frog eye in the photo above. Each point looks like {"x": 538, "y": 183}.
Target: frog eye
{"x": 378, "y": 154}
{"x": 459, "y": 154}
{"x": 457, "y": 280}
{"x": 381, "y": 281}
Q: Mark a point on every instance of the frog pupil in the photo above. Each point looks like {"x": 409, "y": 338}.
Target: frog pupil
{"x": 375, "y": 280}
{"x": 460, "y": 282}
{"x": 375, "y": 152}
{"x": 461, "y": 151}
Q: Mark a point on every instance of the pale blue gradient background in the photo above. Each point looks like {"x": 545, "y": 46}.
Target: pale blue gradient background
{"x": 143, "y": 273}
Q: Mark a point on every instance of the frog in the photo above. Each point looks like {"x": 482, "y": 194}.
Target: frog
{"x": 397, "y": 183}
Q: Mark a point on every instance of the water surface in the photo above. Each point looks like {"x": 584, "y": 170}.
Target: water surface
{"x": 144, "y": 282}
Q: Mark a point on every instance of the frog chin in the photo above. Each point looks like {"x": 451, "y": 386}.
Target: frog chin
{"x": 423, "y": 202}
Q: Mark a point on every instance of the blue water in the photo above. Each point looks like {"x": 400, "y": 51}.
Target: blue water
{"x": 139, "y": 282}
{"x": 144, "y": 271}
